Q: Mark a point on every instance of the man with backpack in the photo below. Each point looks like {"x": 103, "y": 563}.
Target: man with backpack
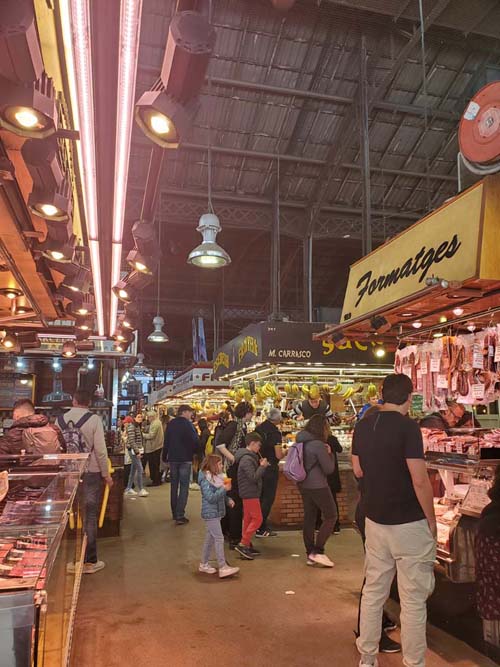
{"x": 83, "y": 431}
{"x": 271, "y": 450}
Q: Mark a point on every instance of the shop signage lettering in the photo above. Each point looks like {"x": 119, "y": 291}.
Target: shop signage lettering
{"x": 249, "y": 345}
{"x": 289, "y": 354}
{"x": 222, "y": 359}
{"x": 329, "y": 346}
{"x": 418, "y": 265}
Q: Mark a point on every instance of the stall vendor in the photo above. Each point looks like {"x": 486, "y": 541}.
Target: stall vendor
{"x": 452, "y": 416}
{"x": 314, "y": 406}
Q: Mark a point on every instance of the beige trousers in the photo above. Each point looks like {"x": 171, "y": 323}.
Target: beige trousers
{"x": 410, "y": 550}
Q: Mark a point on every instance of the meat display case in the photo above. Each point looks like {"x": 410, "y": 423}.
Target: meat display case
{"x": 38, "y": 591}
{"x": 461, "y": 485}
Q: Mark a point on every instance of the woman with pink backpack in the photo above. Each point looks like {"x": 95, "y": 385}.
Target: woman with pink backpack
{"x": 318, "y": 462}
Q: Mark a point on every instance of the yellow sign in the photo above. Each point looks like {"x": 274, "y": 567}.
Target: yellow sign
{"x": 445, "y": 244}
{"x": 249, "y": 344}
{"x": 222, "y": 359}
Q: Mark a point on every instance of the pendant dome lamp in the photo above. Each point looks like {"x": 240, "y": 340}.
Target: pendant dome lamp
{"x": 158, "y": 335}
{"x": 209, "y": 254}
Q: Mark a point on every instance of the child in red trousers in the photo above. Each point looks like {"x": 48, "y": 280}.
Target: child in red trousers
{"x": 251, "y": 467}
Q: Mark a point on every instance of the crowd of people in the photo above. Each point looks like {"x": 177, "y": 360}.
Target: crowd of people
{"x": 237, "y": 474}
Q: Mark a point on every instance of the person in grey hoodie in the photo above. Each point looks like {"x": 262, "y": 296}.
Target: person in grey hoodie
{"x": 319, "y": 462}
{"x": 250, "y": 470}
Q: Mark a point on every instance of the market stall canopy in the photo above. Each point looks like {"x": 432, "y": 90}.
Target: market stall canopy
{"x": 288, "y": 342}
{"x": 449, "y": 259}
{"x": 192, "y": 383}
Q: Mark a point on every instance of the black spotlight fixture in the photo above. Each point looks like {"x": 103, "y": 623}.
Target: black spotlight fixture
{"x": 57, "y": 251}
{"x": 8, "y": 341}
{"x": 10, "y": 292}
{"x": 42, "y": 160}
{"x": 79, "y": 280}
{"x": 69, "y": 349}
{"x": 143, "y": 263}
{"x": 29, "y": 111}
{"x": 338, "y": 338}
{"x": 127, "y": 288}
{"x": 51, "y": 204}
{"x": 379, "y": 324}
{"x": 20, "y": 54}
{"x": 82, "y": 306}
{"x": 130, "y": 318}
{"x": 165, "y": 113}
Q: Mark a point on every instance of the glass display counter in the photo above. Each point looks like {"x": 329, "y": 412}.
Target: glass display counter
{"x": 39, "y": 581}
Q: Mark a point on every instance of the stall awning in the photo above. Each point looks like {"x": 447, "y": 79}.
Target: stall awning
{"x": 449, "y": 258}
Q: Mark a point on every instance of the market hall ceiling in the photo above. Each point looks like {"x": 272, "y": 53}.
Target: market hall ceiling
{"x": 287, "y": 84}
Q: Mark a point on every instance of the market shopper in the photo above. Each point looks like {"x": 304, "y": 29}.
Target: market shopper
{"x": 153, "y": 444}
{"x": 453, "y": 415}
{"x": 97, "y": 471}
{"x": 31, "y": 433}
{"x": 229, "y": 441}
{"x": 272, "y": 450}
{"x": 180, "y": 445}
{"x": 487, "y": 552}
{"x": 400, "y": 528}
{"x": 135, "y": 450}
{"x": 251, "y": 467}
{"x": 214, "y": 487}
{"x": 316, "y": 495}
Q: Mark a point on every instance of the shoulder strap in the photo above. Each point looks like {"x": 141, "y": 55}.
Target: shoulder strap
{"x": 62, "y": 424}
{"x": 83, "y": 419}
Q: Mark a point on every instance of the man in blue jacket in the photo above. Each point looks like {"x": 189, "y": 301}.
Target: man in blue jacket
{"x": 180, "y": 445}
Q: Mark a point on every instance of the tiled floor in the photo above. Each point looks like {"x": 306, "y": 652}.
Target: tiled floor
{"x": 150, "y": 607}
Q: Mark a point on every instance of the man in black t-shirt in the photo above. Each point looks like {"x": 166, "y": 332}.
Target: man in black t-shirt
{"x": 388, "y": 456}
{"x": 272, "y": 451}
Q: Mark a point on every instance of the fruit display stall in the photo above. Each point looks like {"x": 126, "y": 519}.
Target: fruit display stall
{"x": 278, "y": 364}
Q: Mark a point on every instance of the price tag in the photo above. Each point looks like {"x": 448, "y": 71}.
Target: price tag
{"x": 423, "y": 366}
{"x": 454, "y": 383}
{"x": 407, "y": 371}
{"x": 442, "y": 382}
{"x": 477, "y": 360}
{"x": 478, "y": 391}
{"x": 491, "y": 351}
{"x": 435, "y": 365}
{"x": 497, "y": 354}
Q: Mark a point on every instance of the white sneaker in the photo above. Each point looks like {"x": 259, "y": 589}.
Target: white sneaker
{"x": 143, "y": 493}
{"x": 309, "y": 561}
{"x": 228, "y": 571}
{"x": 206, "y": 568}
{"x": 92, "y": 568}
{"x": 194, "y": 487}
{"x": 321, "y": 559}
{"x": 363, "y": 663}
{"x": 130, "y": 492}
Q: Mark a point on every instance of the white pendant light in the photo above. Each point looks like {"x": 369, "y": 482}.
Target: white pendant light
{"x": 209, "y": 254}
{"x": 158, "y": 335}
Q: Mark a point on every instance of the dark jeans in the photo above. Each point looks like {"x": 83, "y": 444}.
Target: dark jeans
{"x": 153, "y": 460}
{"x": 180, "y": 476}
{"x": 319, "y": 517}
{"x": 92, "y": 490}
{"x": 234, "y": 520}
{"x": 268, "y": 494}
{"x": 314, "y": 500}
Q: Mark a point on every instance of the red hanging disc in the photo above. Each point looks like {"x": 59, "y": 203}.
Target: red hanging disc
{"x": 479, "y": 131}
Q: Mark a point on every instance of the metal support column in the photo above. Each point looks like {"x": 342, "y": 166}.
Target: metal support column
{"x": 365, "y": 152}
{"x": 276, "y": 258}
{"x": 307, "y": 273}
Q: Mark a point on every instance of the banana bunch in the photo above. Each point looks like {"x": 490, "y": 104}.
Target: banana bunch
{"x": 348, "y": 392}
{"x": 371, "y": 392}
{"x": 314, "y": 391}
{"x": 336, "y": 389}
{"x": 269, "y": 390}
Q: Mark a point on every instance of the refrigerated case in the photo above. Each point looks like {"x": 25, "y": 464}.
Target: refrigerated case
{"x": 39, "y": 581}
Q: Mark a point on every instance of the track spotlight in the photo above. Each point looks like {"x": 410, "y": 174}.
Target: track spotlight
{"x": 145, "y": 238}
{"x": 162, "y": 118}
{"x": 143, "y": 263}
{"x": 51, "y": 204}
{"x": 10, "y": 292}
{"x": 42, "y": 160}
{"x": 128, "y": 287}
{"x": 380, "y": 324}
{"x": 209, "y": 253}
{"x": 21, "y": 57}
{"x": 69, "y": 349}
{"x": 56, "y": 250}
{"x": 130, "y": 318}
{"x": 29, "y": 111}
{"x": 338, "y": 338}
{"x": 9, "y": 341}
{"x": 83, "y": 305}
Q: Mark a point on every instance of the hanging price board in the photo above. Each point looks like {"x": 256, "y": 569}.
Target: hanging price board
{"x": 435, "y": 365}
{"x": 477, "y": 391}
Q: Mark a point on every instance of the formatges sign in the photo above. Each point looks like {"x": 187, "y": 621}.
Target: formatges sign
{"x": 282, "y": 342}
{"x": 454, "y": 243}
